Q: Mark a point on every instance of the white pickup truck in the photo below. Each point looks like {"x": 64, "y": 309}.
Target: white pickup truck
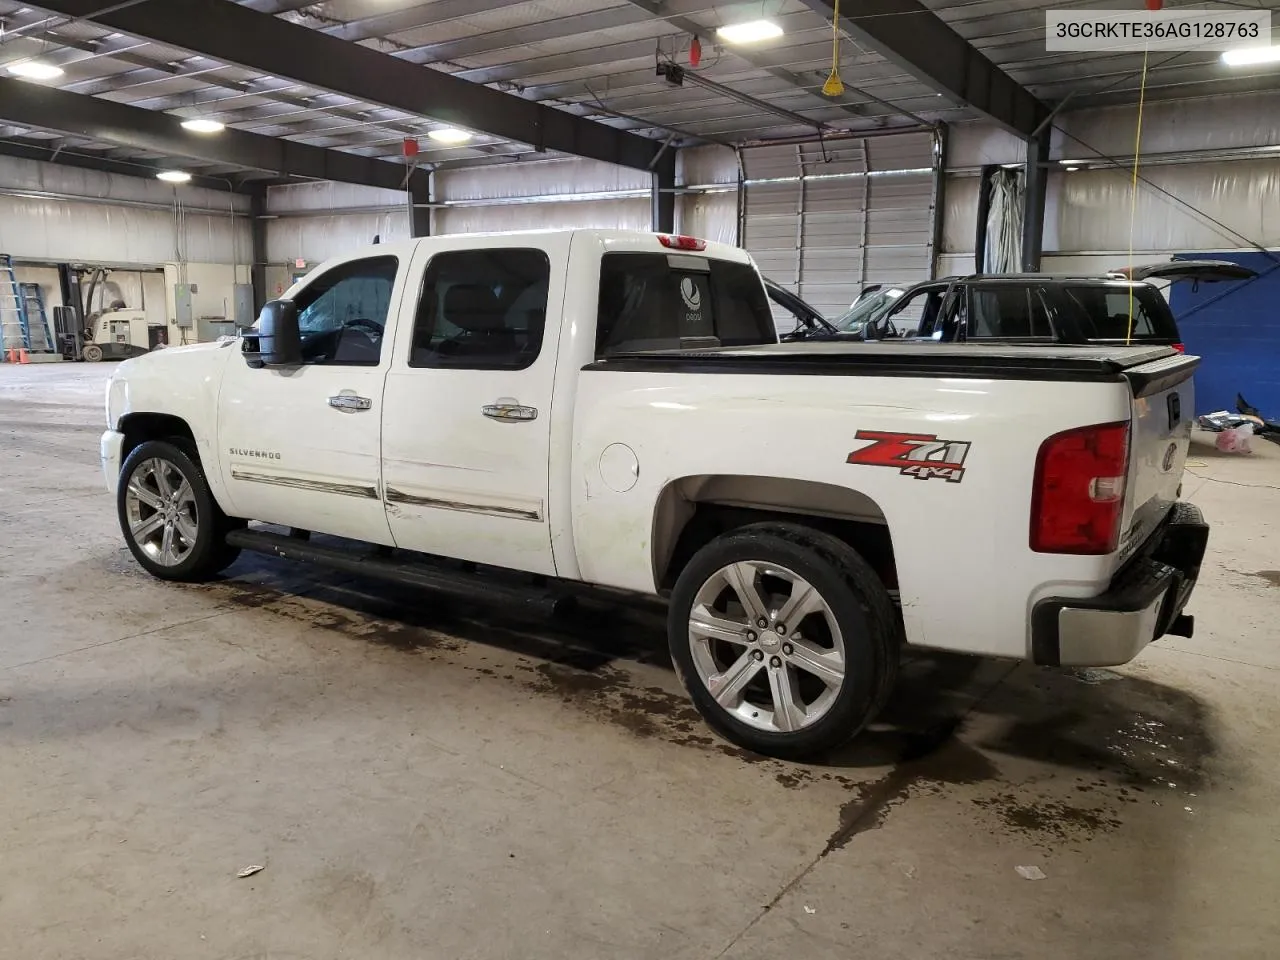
{"x": 611, "y": 408}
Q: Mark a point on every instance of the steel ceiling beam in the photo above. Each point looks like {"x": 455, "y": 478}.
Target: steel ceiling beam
{"x": 364, "y": 29}
{"x": 31, "y": 105}
{"x": 53, "y": 152}
{"x": 257, "y": 41}
{"x": 910, "y": 35}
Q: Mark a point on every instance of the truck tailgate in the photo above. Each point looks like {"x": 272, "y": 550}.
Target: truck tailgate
{"x": 1163, "y": 407}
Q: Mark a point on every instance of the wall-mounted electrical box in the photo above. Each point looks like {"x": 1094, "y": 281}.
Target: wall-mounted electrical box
{"x": 209, "y": 329}
{"x": 182, "y": 304}
{"x": 242, "y": 312}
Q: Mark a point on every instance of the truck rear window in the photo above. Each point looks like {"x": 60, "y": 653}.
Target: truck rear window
{"x": 668, "y": 301}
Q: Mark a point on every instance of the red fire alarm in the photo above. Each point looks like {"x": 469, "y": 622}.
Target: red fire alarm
{"x": 695, "y": 52}
{"x": 410, "y": 147}
{"x": 1155, "y": 4}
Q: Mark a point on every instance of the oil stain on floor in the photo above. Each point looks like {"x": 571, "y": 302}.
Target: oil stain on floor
{"x": 1103, "y": 759}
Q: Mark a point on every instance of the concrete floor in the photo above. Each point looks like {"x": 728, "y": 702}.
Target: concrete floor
{"x": 427, "y": 779}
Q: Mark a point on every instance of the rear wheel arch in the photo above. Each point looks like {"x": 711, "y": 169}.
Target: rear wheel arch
{"x": 785, "y": 638}
{"x": 692, "y": 511}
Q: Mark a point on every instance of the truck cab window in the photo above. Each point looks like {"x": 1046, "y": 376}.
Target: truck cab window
{"x": 671, "y": 301}
{"x": 482, "y": 310}
{"x": 342, "y": 313}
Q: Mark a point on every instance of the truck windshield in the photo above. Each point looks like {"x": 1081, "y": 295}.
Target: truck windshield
{"x": 867, "y": 310}
{"x": 659, "y": 301}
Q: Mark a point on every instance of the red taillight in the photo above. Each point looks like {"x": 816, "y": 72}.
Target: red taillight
{"x": 1181, "y": 348}
{"x": 681, "y": 243}
{"x": 1078, "y": 498}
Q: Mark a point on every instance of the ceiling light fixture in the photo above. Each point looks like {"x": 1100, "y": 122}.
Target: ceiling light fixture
{"x": 173, "y": 176}
{"x": 1247, "y": 56}
{"x": 35, "y": 70}
{"x": 203, "y": 125}
{"x": 449, "y": 135}
{"x": 753, "y": 31}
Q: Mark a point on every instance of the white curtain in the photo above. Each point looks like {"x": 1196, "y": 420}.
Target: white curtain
{"x": 1004, "y": 223}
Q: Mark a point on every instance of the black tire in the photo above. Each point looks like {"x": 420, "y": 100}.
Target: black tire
{"x": 859, "y": 604}
{"x": 208, "y": 554}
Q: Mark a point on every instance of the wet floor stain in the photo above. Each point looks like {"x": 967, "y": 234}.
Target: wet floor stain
{"x": 1048, "y": 821}
{"x": 933, "y": 761}
{"x": 1111, "y": 743}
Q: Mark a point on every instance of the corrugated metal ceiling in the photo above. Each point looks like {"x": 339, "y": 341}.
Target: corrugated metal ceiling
{"x": 586, "y": 52}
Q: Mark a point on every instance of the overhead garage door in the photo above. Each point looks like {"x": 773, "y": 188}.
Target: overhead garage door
{"x": 824, "y": 222}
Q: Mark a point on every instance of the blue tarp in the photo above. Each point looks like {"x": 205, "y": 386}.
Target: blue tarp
{"x": 1235, "y": 327}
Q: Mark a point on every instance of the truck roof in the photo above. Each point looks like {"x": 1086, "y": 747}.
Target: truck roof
{"x": 631, "y": 241}
{"x": 609, "y": 237}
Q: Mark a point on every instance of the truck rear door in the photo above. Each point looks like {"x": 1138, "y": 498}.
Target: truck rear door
{"x": 466, "y": 431}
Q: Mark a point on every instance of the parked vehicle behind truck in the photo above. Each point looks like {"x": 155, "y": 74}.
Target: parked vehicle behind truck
{"x": 1123, "y": 307}
{"x": 612, "y": 408}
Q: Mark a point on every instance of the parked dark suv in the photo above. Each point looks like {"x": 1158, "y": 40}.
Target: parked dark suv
{"x": 1030, "y": 307}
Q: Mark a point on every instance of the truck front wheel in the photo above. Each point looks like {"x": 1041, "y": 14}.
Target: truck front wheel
{"x": 171, "y": 523}
{"x": 785, "y": 639}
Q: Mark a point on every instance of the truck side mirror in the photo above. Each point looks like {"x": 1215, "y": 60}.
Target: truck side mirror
{"x": 277, "y": 341}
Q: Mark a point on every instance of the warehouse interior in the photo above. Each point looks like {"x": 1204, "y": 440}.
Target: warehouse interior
{"x": 446, "y": 780}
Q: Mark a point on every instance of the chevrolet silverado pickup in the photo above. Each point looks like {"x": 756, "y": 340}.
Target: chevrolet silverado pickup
{"x": 613, "y": 408}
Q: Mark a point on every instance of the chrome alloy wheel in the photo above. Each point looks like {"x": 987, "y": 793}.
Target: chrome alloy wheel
{"x": 161, "y": 509}
{"x": 767, "y": 646}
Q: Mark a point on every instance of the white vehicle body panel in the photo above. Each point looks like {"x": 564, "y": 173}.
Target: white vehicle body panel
{"x": 596, "y": 485}
{"x": 185, "y": 385}
{"x": 288, "y": 456}
{"x": 459, "y": 483}
{"x": 955, "y": 543}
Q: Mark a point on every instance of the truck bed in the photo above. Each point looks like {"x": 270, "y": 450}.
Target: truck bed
{"x": 1094, "y": 363}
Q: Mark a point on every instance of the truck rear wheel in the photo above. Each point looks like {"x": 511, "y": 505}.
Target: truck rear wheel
{"x": 171, "y": 523}
{"x": 785, "y": 639}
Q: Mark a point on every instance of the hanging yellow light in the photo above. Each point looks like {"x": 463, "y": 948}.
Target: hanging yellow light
{"x": 834, "y": 85}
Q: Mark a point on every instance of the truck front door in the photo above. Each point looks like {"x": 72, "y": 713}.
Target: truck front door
{"x": 300, "y": 446}
{"x": 467, "y": 425}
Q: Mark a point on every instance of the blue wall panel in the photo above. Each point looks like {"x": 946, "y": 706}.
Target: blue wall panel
{"x": 1235, "y": 327}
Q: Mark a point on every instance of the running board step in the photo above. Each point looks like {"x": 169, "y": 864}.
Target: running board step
{"x": 467, "y": 585}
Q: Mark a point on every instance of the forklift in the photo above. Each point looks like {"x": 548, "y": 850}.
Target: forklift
{"x": 111, "y": 332}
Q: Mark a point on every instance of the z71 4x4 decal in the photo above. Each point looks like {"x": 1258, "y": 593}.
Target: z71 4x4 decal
{"x": 914, "y": 454}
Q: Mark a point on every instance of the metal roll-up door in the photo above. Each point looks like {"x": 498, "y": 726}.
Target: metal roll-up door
{"x": 771, "y": 205}
{"x": 825, "y": 221}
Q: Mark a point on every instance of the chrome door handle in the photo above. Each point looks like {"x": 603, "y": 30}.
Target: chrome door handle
{"x": 508, "y": 411}
{"x": 347, "y": 401}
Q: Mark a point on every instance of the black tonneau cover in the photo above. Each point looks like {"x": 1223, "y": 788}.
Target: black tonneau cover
{"x": 1097, "y": 362}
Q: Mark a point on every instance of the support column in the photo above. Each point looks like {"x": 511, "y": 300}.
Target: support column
{"x": 258, "y": 246}
{"x": 984, "y": 211}
{"x": 664, "y": 197}
{"x": 939, "y": 203}
{"x": 1033, "y": 200}
{"x": 419, "y": 198}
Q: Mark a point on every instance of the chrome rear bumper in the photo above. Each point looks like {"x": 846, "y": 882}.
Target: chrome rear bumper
{"x": 1143, "y": 603}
